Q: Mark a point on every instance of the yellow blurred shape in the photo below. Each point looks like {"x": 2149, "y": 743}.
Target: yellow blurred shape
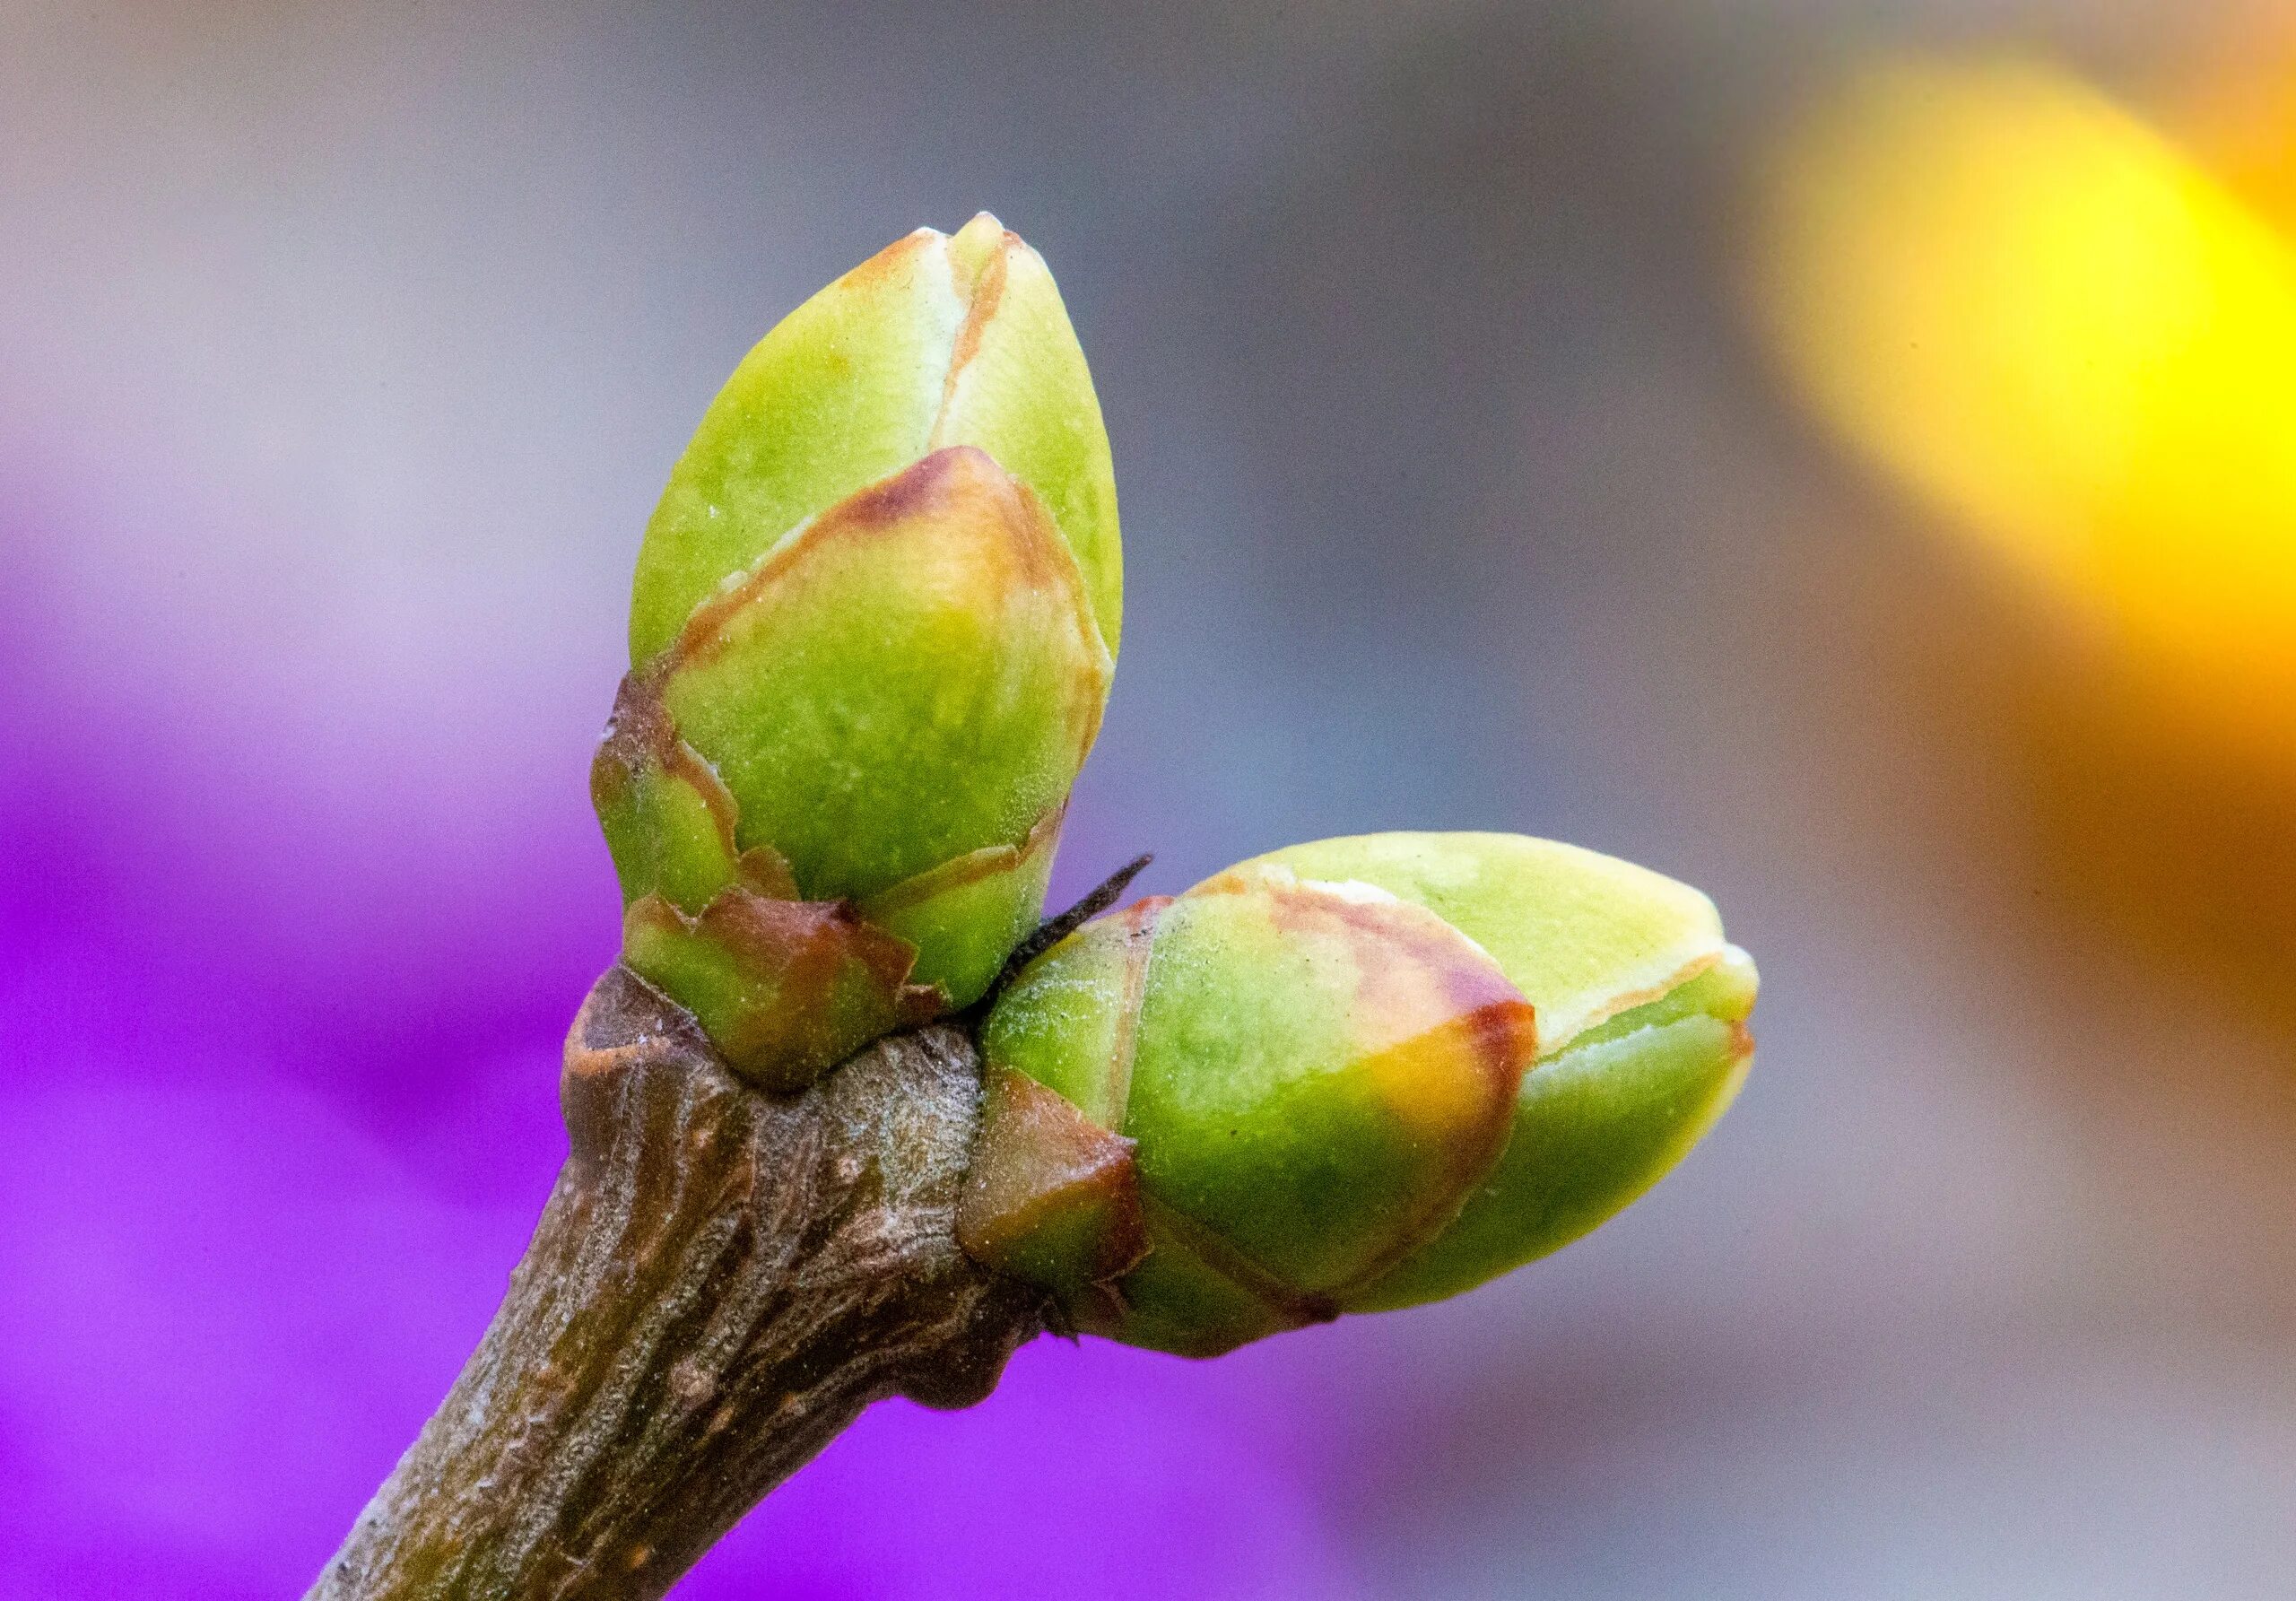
{"x": 2032, "y": 309}
{"x": 2236, "y": 110}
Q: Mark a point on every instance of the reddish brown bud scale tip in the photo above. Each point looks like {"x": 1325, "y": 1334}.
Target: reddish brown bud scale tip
{"x": 1051, "y": 1195}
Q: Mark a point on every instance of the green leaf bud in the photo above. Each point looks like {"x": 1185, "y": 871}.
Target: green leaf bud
{"x": 873, "y": 625}
{"x": 1325, "y": 1081}
{"x": 1313, "y": 1079}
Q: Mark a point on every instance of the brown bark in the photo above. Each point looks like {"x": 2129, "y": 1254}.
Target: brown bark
{"x": 721, "y": 1282}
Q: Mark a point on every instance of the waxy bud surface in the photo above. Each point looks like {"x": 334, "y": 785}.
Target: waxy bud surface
{"x": 872, "y": 632}
{"x": 1314, "y": 1083}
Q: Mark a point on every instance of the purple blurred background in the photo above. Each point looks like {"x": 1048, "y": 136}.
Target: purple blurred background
{"x": 344, "y": 351}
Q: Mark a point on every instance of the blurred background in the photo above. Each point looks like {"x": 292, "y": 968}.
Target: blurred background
{"x": 1840, "y": 452}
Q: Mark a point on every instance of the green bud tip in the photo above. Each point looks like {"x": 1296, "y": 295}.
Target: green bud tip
{"x": 1348, "y": 1076}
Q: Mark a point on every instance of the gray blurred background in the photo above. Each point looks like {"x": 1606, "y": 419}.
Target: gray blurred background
{"x": 346, "y": 350}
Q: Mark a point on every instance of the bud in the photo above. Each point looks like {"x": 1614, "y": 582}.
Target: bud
{"x": 871, "y": 625}
{"x": 1347, "y": 1076}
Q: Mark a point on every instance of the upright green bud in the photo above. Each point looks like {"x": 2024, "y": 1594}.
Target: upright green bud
{"x": 1347, "y": 1076}
{"x": 872, "y": 634}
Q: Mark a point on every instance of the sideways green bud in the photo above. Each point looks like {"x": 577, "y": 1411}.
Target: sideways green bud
{"x": 1308, "y": 1081}
{"x": 872, "y": 622}
{"x": 1306, "y": 1086}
